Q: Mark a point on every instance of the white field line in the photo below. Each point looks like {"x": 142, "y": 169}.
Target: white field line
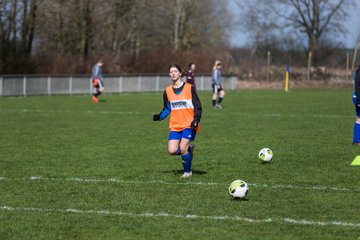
{"x": 69, "y": 111}
{"x": 139, "y": 113}
{"x": 113, "y": 180}
{"x": 187, "y": 216}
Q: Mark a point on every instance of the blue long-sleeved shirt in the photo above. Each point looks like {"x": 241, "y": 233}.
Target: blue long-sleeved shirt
{"x": 96, "y": 72}
{"x": 216, "y": 77}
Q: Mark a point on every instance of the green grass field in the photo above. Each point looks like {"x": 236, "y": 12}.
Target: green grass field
{"x": 74, "y": 170}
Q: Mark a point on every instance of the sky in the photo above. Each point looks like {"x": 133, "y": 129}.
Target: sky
{"x": 241, "y": 39}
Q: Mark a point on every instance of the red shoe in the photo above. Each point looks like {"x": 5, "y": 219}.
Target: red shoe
{"x": 94, "y": 99}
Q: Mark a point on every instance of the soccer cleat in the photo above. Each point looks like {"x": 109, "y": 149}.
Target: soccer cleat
{"x": 186, "y": 174}
{"x": 192, "y": 147}
{"x": 218, "y": 106}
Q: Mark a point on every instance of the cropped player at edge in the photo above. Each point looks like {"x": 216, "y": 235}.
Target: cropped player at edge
{"x": 184, "y": 107}
{"x": 356, "y": 100}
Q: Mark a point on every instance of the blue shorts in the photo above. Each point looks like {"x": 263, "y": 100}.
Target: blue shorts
{"x": 357, "y": 108}
{"x": 187, "y": 133}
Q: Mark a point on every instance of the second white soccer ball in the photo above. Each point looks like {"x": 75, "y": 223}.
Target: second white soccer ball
{"x": 266, "y": 154}
{"x": 238, "y": 189}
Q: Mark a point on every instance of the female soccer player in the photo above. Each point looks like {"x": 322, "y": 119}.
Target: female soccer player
{"x": 97, "y": 79}
{"x": 356, "y": 100}
{"x": 216, "y": 85}
{"x": 190, "y": 75}
{"x": 184, "y": 107}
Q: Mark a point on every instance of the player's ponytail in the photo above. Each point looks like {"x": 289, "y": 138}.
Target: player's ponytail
{"x": 216, "y": 64}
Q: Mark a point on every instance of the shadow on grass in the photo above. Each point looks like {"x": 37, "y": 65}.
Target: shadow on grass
{"x": 263, "y": 162}
{"x": 239, "y": 199}
{"x": 180, "y": 171}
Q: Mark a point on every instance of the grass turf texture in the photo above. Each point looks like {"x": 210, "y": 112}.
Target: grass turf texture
{"x": 60, "y": 139}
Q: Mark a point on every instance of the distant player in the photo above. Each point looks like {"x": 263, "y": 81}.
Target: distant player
{"x": 97, "y": 79}
{"x": 356, "y": 100}
{"x": 218, "y": 91}
{"x": 190, "y": 75}
{"x": 184, "y": 107}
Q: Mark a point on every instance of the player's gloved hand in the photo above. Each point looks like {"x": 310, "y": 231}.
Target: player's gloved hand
{"x": 156, "y": 117}
{"x": 194, "y": 124}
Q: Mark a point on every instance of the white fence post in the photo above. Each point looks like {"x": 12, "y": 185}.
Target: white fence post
{"x": 49, "y": 86}
{"x": 24, "y": 86}
{"x": 139, "y": 83}
{"x": 120, "y": 84}
{"x": 70, "y": 85}
{"x": 234, "y": 82}
{"x": 157, "y": 82}
{"x": 202, "y": 82}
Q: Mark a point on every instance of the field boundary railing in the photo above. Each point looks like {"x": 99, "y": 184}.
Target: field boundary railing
{"x": 28, "y": 85}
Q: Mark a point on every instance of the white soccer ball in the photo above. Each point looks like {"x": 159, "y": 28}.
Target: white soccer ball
{"x": 266, "y": 154}
{"x": 238, "y": 189}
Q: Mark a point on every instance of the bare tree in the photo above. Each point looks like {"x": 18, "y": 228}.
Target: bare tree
{"x": 121, "y": 30}
{"x": 312, "y": 18}
{"x": 121, "y": 18}
{"x": 355, "y": 51}
{"x": 17, "y": 24}
{"x": 17, "y": 31}
{"x": 9, "y": 10}
{"x": 181, "y": 9}
{"x": 29, "y": 15}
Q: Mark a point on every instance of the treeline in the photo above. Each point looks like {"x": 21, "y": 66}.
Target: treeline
{"x": 56, "y": 36}
{"x": 145, "y": 36}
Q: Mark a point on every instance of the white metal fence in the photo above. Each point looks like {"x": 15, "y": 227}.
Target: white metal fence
{"x": 11, "y": 85}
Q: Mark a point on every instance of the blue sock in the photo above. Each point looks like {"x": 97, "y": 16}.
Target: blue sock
{"x": 356, "y": 133}
{"x": 178, "y": 151}
{"x": 186, "y": 161}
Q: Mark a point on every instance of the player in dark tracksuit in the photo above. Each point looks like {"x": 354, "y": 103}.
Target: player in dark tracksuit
{"x": 190, "y": 75}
